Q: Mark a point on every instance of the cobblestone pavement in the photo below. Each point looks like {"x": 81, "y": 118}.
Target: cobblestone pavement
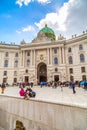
{"x": 54, "y": 95}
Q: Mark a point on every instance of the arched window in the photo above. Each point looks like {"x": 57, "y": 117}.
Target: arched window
{"x": 80, "y": 47}
{"x": 69, "y": 49}
{"x": 70, "y": 60}
{"x": 16, "y": 63}
{"x": 82, "y": 58}
{"x": 6, "y": 63}
{"x": 55, "y": 60}
{"x": 28, "y": 62}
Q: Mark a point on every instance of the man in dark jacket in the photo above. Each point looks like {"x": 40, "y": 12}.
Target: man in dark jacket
{"x": 73, "y": 86}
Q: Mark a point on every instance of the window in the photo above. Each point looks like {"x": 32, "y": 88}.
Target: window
{"x": 28, "y": 53}
{"x": 80, "y": 47}
{"x": 5, "y": 73}
{"x": 26, "y": 71}
{"x": 28, "y": 62}
{"x": 82, "y": 69}
{"x": 55, "y": 51}
{"x": 84, "y": 77}
{"x": 70, "y": 60}
{"x": 16, "y": 63}
{"x": 82, "y": 59}
{"x": 71, "y": 77}
{"x": 15, "y": 80}
{"x": 4, "y": 80}
{"x": 6, "y": 54}
{"x": 55, "y": 60}
{"x": 71, "y": 70}
{"x": 69, "y": 49}
{"x": 16, "y": 54}
{"x": 56, "y": 69}
{"x": 6, "y": 63}
{"x": 15, "y": 73}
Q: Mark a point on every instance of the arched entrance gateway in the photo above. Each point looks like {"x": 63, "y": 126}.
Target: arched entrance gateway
{"x": 42, "y": 72}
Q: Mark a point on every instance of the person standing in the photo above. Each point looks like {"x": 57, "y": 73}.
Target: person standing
{"x": 61, "y": 86}
{"x": 3, "y": 87}
{"x": 73, "y": 86}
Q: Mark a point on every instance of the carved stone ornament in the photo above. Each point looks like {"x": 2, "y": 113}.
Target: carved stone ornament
{"x": 41, "y": 57}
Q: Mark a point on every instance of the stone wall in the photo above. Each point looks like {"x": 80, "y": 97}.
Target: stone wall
{"x": 40, "y": 115}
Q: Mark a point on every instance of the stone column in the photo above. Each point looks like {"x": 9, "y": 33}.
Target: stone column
{"x": 25, "y": 59}
{"x": 48, "y": 56}
{"x": 60, "y": 55}
{"x": 22, "y": 58}
{"x": 34, "y": 57}
{"x": 51, "y": 58}
{"x": 63, "y": 55}
{"x": 31, "y": 57}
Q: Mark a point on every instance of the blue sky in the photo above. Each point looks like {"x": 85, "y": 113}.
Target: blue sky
{"x": 22, "y": 19}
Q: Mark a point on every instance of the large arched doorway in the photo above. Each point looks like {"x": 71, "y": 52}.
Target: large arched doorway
{"x": 42, "y": 72}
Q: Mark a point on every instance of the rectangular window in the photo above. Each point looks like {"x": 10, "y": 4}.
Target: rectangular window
{"x": 71, "y": 70}
{"x": 5, "y": 73}
{"x": 4, "y": 80}
{"x": 28, "y": 53}
{"x": 80, "y": 47}
{"x": 15, "y": 80}
{"x": 55, "y": 51}
{"x": 6, "y": 54}
{"x": 82, "y": 69}
{"x": 15, "y": 73}
{"x": 16, "y": 54}
{"x": 6, "y": 63}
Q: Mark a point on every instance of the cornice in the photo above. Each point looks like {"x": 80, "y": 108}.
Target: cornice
{"x": 77, "y": 39}
{"x": 52, "y": 44}
{"x": 9, "y": 46}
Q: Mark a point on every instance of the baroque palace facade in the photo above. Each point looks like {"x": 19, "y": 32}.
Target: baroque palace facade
{"x": 44, "y": 59}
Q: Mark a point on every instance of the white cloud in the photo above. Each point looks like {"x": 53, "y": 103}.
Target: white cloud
{"x": 44, "y": 1}
{"x": 26, "y": 29}
{"x": 20, "y": 2}
{"x": 18, "y": 31}
{"x": 70, "y": 18}
{"x": 57, "y": 19}
{"x": 26, "y": 2}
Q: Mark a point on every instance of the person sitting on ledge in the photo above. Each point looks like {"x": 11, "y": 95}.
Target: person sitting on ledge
{"x": 22, "y": 91}
{"x": 31, "y": 92}
{"x": 26, "y": 95}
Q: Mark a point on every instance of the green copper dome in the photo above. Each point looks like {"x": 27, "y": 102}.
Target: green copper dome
{"x": 48, "y": 32}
